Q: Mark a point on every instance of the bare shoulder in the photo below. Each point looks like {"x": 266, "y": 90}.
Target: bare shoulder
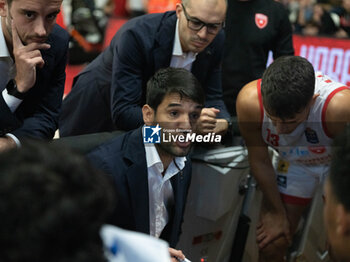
{"x": 338, "y": 112}
{"x": 249, "y": 120}
{"x": 247, "y": 105}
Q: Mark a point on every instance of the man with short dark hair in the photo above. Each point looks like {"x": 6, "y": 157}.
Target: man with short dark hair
{"x": 337, "y": 199}
{"x": 152, "y": 180}
{"x": 111, "y": 90}
{"x": 297, "y": 112}
{"x": 52, "y": 205}
{"x": 33, "y": 52}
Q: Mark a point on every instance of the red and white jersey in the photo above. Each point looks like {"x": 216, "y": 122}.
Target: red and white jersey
{"x": 309, "y": 144}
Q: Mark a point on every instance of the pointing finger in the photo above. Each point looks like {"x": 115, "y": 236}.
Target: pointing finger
{"x": 15, "y": 37}
{"x": 37, "y": 46}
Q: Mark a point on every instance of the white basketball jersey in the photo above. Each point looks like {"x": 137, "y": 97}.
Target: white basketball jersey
{"x": 309, "y": 144}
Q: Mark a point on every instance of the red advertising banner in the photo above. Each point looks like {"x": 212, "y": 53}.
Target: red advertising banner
{"x": 328, "y": 55}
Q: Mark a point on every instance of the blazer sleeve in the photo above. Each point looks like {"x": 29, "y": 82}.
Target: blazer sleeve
{"x": 213, "y": 89}
{"x": 97, "y": 160}
{"x": 8, "y": 121}
{"x": 126, "y": 88}
{"x": 40, "y": 111}
{"x": 187, "y": 173}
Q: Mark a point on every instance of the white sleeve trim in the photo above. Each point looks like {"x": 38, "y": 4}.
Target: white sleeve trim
{"x": 11, "y": 101}
{"x": 14, "y": 138}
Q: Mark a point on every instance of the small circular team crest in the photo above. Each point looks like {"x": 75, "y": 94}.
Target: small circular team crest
{"x": 261, "y": 20}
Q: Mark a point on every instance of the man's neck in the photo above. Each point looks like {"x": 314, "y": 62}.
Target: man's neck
{"x": 7, "y": 36}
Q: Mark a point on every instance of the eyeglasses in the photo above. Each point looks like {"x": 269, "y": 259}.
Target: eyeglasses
{"x": 196, "y": 24}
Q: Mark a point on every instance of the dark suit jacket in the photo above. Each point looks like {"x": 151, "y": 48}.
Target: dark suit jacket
{"x": 124, "y": 158}
{"x": 37, "y": 115}
{"x": 141, "y": 47}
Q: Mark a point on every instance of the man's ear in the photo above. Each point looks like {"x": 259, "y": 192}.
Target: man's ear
{"x": 178, "y": 10}
{"x": 148, "y": 114}
{"x": 3, "y": 8}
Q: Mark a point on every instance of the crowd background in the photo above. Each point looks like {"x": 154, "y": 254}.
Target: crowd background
{"x": 92, "y": 23}
{"x": 308, "y": 17}
{"x": 88, "y": 22}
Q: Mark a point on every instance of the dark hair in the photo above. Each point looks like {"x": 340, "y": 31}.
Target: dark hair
{"x": 287, "y": 86}
{"x": 340, "y": 169}
{"x": 173, "y": 80}
{"x": 52, "y": 205}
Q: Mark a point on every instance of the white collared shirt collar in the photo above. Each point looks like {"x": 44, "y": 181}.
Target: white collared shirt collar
{"x": 153, "y": 160}
{"x": 177, "y": 49}
{"x": 160, "y": 190}
{"x": 179, "y": 58}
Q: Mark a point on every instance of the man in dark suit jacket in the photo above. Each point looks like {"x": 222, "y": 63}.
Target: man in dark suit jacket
{"x": 141, "y": 170}
{"x": 111, "y": 90}
{"x": 32, "y": 70}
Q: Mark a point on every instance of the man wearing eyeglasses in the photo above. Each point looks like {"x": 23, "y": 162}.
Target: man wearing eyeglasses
{"x": 110, "y": 91}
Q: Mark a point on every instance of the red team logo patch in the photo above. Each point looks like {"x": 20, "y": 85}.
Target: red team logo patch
{"x": 261, "y": 20}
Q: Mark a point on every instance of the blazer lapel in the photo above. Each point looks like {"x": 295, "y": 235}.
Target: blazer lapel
{"x": 49, "y": 59}
{"x": 201, "y": 64}
{"x": 48, "y": 55}
{"x": 164, "y": 42}
{"x": 138, "y": 181}
{"x": 178, "y": 188}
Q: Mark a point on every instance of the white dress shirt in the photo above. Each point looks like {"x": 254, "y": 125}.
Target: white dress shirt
{"x": 180, "y": 59}
{"x": 160, "y": 191}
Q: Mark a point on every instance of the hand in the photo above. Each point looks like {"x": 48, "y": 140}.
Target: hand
{"x": 221, "y": 126}
{"x": 176, "y": 254}
{"x": 27, "y": 58}
{"x": 207, "y": 120}
{"x": 272, "y": 226}
{"x": 6, "y": 143}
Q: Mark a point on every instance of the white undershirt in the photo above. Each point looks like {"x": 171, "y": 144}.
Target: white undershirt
{"x": 160, "y": 191}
